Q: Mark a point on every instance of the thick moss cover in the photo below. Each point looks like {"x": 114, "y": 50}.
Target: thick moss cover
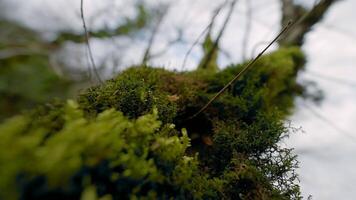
{"x": 132, "y": 138}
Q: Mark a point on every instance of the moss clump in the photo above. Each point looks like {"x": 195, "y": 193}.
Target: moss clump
{"x": 112, "y": 144}
{"x": 270, "y": 85}
{"x": 256, "y": 147}
{"x": 121, "y": 157}
{"x": 134, "y": 92}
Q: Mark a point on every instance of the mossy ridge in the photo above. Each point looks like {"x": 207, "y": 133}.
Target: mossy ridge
{"x": 239, "y": 153}
{"x": 270, "y": 86}
{"x": 273, "y": 79}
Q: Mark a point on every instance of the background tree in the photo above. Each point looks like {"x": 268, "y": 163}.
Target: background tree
{"x": 32, "y": 67}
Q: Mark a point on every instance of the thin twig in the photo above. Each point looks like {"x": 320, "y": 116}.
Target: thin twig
{"x": 168, "y": 46}
{"x": 329, "y": 122}
{"x": 147, "y": 54}
{"x": 300, "y": 20}
{"x": 243, "y": 71}
{"x": 248, "y": 27}
{"x": 256, "y": 47}
{"x": 87, "y": 38}
{"x": 338, "y": 30}
{"x": 216, "y": 13}
{"x": 222, "y": 30}
{"x": 333, "y": 79}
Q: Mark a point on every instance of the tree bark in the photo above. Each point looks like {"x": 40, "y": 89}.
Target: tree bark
{"x": 306, "y": 19}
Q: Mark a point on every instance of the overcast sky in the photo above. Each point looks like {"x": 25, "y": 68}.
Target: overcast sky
{"x": 326, "y": 148}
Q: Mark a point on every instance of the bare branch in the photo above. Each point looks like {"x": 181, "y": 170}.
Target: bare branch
{"x": 129, "y": 26}
{"x": 207, "y": 29}
{"x": 248, "y": 27}
{"x": 340, "y": 81}
{"x": 178, "y": 39}
{"x": 215, "y": 47}
{"x": 344, "y": 32}
{"x": 87, "y": 38}
{"x": 147, "y": 53}
{"x": 329, "y": 122}
{"x": 291, "y": 10}
{"x": 243, "y": 71}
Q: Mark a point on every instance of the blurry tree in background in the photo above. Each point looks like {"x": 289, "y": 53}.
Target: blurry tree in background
{"x": 32, "y": 69}
{"x": 26, "y": 76}
{"x": 307, "y": 18}
{"x": 24, "y": 53}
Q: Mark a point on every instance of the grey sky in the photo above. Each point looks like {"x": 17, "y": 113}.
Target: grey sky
{"x": 326, "y": 155}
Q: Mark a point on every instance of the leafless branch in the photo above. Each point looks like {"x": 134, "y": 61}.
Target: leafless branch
{"x": 210, "y": 25}
{"x": 338, "y": 30}
{"x": 341, "y": 81}
{"x": 170, "y": 44}
{"x": 307, "y": 19}
{"x": 147, "y": 53}
{"x": 221, "y": 33}
{"x": 329, "y": 122}
{"x": 243, "y": 71}
{"x": 248, "y": 27}
{"x": 87, "y": 39}
{"x": 256, "y": 46}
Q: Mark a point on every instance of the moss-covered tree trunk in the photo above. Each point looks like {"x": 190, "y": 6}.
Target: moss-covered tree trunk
{"x": 133, "y": 137}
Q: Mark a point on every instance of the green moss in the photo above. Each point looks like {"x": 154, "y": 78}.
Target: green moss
{"x": 134, "y": 92}
{"x": 124, "y": 152}
{"x": 210, "y": 59}
{"x": 111, "y": 144}
{"x": 270, "y": 84}
{"x": 137, "y": 90}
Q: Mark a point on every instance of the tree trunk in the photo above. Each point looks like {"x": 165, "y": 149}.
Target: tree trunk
{"x": 306, "y": 19}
